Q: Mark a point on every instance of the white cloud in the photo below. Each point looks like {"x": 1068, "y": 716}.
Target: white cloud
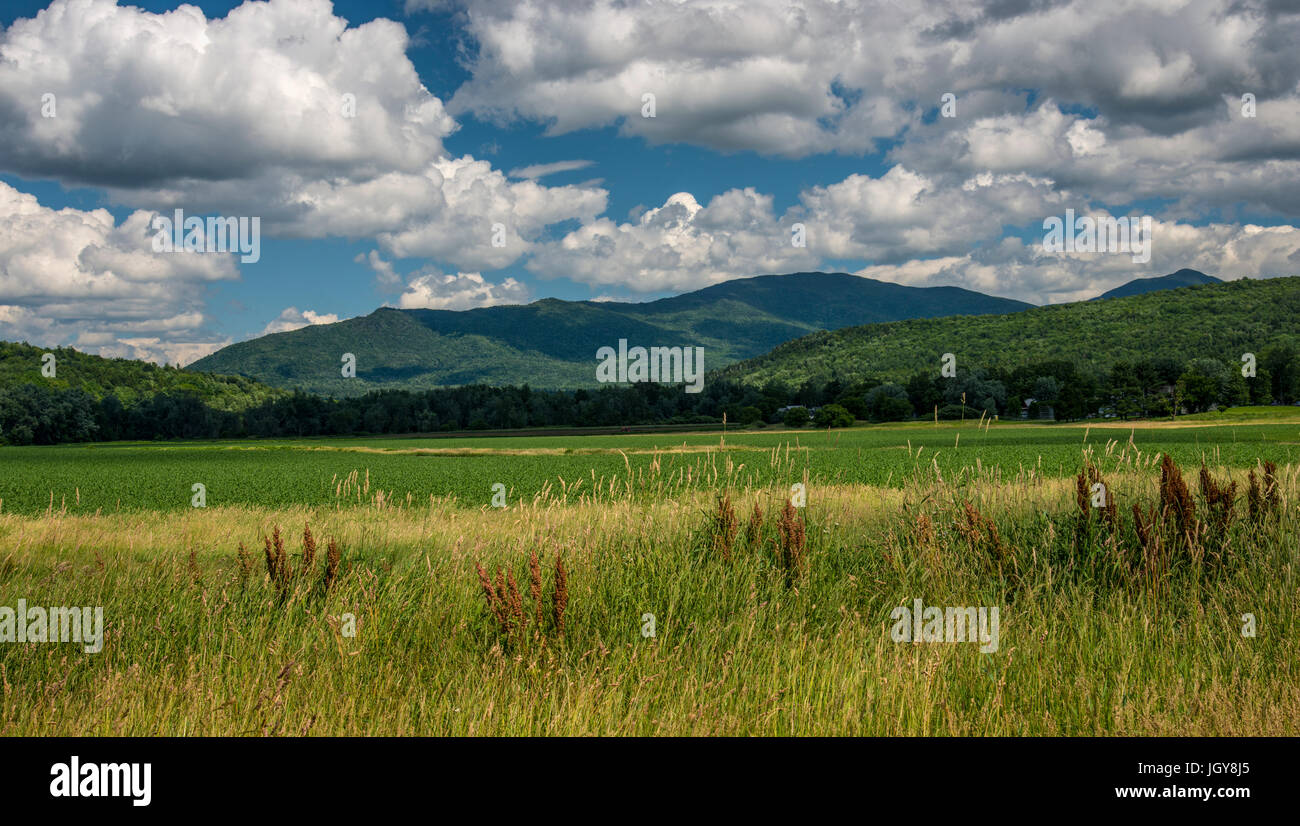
{"x": 293, "y": 319}
{"x": 386, "y": 277}
{"x": 900, "y": 215}
{"x": 461, "y": 291}
{"x": 475, "y": 197}
{"x": 678, "y": 246}
{"x": 1226, "y": 162}
{"x": 246, "y": 116}
{"x": 904, "y": 214}
{"x": 831, "y": 75}
{"x": 758, "y": 75}
{"x": 1154, "y": 88}
{"x": 1017, "y": 270}
{"x": 75, "y": 277}
{"x": 541, "y": 170}
{"x": 145, "y": 97}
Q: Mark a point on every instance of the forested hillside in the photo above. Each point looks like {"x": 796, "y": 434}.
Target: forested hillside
{"x": 127, "y": 379}
{"x": 89, "y": 397}
{"x": 1219, "y": 321}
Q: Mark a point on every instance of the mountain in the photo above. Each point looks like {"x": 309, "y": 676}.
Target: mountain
{"x": 1139, "y": 286}
{"x": 552, "y": 343}
{"x": 1221, "y": 320}
{"x": 127, "y": 379}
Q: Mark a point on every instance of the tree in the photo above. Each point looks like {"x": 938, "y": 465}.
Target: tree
{"x": 1125, "y": 390}
{"x": 1202, "y": 384}
{"x": 924, "y": 392}
{"x": 855, "y": 405}
{"x": 1261, "y": 387}
{"x": 1283, "y": 364}
{"x": 1047, "y": 390}
{"x": 833, "y": 415}
{"x": 888, "y": 403}
{"x": 796, "y": 417}
{"x": 977, "y": 390}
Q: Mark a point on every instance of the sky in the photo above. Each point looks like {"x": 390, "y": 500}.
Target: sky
{"x": 451, "y": 155}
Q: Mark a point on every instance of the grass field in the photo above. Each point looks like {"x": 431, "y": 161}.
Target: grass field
{"x": 409, "y": 471}
{"x": 1110, "y": 622}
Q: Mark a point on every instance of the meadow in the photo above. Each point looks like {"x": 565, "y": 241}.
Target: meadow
{"x": 675, "y": 591}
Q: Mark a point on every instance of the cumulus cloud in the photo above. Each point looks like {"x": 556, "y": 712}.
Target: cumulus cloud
{"x": 895, "y": 217}
{"x": 1236, "y": 160}
{"x": 148, "y": 98}
{"x": 279, "y": 110}
{"x": 294, "y": 319}
{"x": 904, "y": 214}
{"x": 680, "y": 245}
{"x": 475, "y": 199}
{"x": 822, "y": 75}
{"x": 1154, "y": 90}
{"x": 385, "y": 276}
{"x": 461, "y": 291}
{"x": 759, "y": 75}
{"x": 73, "y": 276}
{"x": 1016, "y": 269}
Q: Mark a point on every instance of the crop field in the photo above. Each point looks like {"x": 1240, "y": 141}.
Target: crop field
{"x": 665, "y": 584}
{"x": 410, "y": 471}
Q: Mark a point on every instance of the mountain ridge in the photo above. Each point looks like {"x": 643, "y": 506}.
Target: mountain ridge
{"x": 552, "y": 342}
{"x": 1186, "y": 277}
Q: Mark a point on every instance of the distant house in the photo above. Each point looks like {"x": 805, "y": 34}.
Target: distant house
{"x": 779, "y": 415}
{"x": 1032, "y": 407}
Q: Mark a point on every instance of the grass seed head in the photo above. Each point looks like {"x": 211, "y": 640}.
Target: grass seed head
{"x": 790, "y": 529}
{"x": 308, "y": 548}
{"x": 725, "y": 527}
{"x": 535, "y": 585}
{"x": 245, "y": 565}
{"x": 1175, "y": 501}
{"x": 560, "y": 594}
{"x": 331, "y": 563}
{"x": 755, "y": 526}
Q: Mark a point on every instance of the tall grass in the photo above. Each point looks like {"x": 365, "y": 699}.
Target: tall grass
{"x": 529, "y": 620}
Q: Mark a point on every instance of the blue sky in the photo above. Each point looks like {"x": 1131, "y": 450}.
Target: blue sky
{"x": 769, "y": 114}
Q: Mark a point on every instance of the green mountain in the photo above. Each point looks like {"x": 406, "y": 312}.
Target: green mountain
{"x": 127, "y": 379}
{"x": 1140, "y": 286}
{"x": 553, "y": 343}
{"x": 1222, "y": 320}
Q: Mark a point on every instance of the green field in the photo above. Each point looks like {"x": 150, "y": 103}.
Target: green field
{"x": 135, "y": 476}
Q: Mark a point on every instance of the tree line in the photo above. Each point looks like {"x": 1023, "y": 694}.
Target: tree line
{"x": 34, "y": 413}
